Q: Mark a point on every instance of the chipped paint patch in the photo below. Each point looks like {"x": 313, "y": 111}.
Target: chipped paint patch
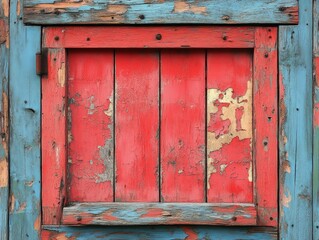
{"x": 18, "y": 8}
{"x": 5, "y": 7}
{"x": 250, "y": 172}
{"x": 4, "y": 173}
{"x": 286, "y": 199}
{"x": 37, "y": 224}
{"x": 181, "y": 6}
{"x": 222, "y": 168}
{"x": 228, "y": 117}
{"x": 106, "y": 155}
{"x": 91, "y": 108}
{"x": 12, "y": 203}
{"x": 109, "y": 111}
{"x": 61, "y": 75}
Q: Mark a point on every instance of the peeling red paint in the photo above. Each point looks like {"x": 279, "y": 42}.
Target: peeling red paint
{"x": 191, "y": 234}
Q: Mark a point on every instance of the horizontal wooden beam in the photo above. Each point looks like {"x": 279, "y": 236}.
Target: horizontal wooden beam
{"x": 159, "y": 214}
{"x": 161, "y": 12}
{"x": 146, "y": 37}
{"x": 159, "y": 232}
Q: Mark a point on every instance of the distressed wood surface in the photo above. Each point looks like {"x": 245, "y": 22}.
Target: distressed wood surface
{"x": 182, "y": 131}
{"x": 159, "y": 232}
{"x": 229, "y": 126}
{"x": 137, "y": 125}
{"x": 25, "y": 115}
{"x": 90, "y": 125}
{"x": 295, "y": 133}
{"x": 159, "y": 214}
{"x": 54, "y": 137}
{"x": 161, "y": 12}
{"x": 149, "y": 37}
{"x": 316, "y": 120}
{"x": 4, "y": 118}
{"x": 265, "y": 125}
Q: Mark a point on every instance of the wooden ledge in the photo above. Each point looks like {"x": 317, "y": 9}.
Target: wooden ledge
{"x": 159, "y": 214}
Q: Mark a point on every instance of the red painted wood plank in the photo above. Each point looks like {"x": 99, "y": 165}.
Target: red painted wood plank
{"x": 149, "y": 37}
{"x": 183, "y": 125}
{"x": 90, "y": 125}
{"x": 265, "y": 124}
{"x": 137, "y": 123}
{"x": 159, "y": 214}
{"x": 229, "y": 126}
{"x": 54, "y": 138}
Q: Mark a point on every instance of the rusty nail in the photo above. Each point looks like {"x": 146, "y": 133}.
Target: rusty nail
{"x": 88, "y": 39}
{"x": 141, "y": 17}
{"x": 271, "y": 218}
{"x": 234, "y": 218}
{"x": 56, "y": 38}
{"x": 158, "y": 36}
{"x": 266, "y": 55}
{"x": 224, "y": 38}
{"x": 281, "y": 9}
{"x": 78, "y": 218}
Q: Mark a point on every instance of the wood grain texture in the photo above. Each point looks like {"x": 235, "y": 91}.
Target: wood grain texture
{"x": 161, "y": 12}
{"x": 315, "y": 121}
{"x": 159, "y": 232}
{"x": 4, "y": 119}
{"x": 159, "y": 214}
{"x": 90, "y": 125}
{"x": 25, "y": 133}
{"x": 295, "y": 71}
{"x": 54, "y": 149}
{"x": 229, "y": 126}
{"x": 182, "y": 131}
{"x": 147, "y": 37}
{"x": 265, "y": 124}
{"x": 137, "y": 125}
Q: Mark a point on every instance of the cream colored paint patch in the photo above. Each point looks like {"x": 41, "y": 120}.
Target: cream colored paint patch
{"x": 109, "y": 111}
{"x": 215, "y": 143}
{"x": 4, "y": 173}
{"x": 61, "y": 75}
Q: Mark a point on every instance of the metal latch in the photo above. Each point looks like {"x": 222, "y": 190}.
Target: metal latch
{"x": 42, "y": 62}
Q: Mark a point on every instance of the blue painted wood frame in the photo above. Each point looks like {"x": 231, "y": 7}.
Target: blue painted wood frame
{"x": 295, "y": 139}
{"x": 316, "y": 122}
{"x": 4, "y": 76}
{"x": 24, "y": 90}
{"x": 161, "y": 12}
{"x": 295, "y": 134}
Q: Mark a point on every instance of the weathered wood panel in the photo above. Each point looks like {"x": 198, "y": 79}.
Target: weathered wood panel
{"x": 161, "y": 12}
{"x": 4, "y": 114}
{"x": 182, "y": 131}
{"x": 316, "y": 121}
{"x": 229, "y": 126}
{"x": 295, "y": 133}
{"x": 159, "y": 214}
{"x": 90, "y": 125}
{"x": 265, "y": 125}
{"x": 25, "y": 115}
{"x": 54, "y": 149}
{"x": 137, "y": 125}
{"x": 149, "y": 37}
{"x": 159, "y": 232}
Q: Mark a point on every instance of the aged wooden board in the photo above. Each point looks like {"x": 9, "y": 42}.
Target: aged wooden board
{"x": 54, "y": 137}
{"x": 136, "y": 127}
{"x": 159, "y": 214}
{"x": 159, "y": 232}
{"x": 4, "y": 124}
{"x": 161, "y": 12}
{"x": 182, "y": 131}
{"x": 90, "y": 125}
{"x": 316, "y": 121}
{"x": 295, "y": 133}
{"x": 25, "y": 115}
{"x": 149, "y": 37}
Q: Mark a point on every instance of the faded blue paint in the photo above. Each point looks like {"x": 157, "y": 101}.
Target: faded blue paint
{"x": 295, "y": 57}
{"x": 164, "y": 232}
{"x": 216, "y": 12}
{"x": 316, "y": 127}
{"x": 4, "y": 76}
{"x": 24, "y": 128}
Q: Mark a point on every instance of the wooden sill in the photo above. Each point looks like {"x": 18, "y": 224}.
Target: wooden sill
{"x": 159, "y": 214}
